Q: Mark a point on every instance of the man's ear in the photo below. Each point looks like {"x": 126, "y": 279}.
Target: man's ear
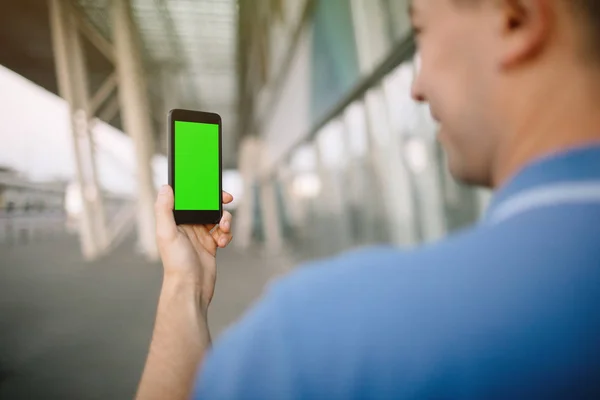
{"x": 526, "y": 27}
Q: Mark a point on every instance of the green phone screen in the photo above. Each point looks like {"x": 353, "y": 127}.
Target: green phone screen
{"x": 196, "y": 166}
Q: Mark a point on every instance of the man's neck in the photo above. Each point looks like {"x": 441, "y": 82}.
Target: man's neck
{"x": 565, "y": 117}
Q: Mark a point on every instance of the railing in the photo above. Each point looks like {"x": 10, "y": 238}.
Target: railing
{"x": 396, "y": 192}
{"x": 399, "y": 53}
{"x": 22, "y": 226}
{"x": 40, "y": 219}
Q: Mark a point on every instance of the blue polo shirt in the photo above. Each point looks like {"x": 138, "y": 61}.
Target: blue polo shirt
{"x": 507, "y": 309}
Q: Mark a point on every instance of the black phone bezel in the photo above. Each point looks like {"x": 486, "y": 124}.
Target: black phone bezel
{"x": 194, "y": 216}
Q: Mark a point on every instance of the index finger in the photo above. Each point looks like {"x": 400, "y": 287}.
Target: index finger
{"x": 227, "y": 197}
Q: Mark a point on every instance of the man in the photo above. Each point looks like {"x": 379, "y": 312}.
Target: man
{"x": 508, "y": 309}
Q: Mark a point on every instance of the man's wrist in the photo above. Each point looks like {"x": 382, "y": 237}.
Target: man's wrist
{"x": 180, "y": 288}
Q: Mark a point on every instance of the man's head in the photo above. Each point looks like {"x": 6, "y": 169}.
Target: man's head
{"x": 488, "y": 66}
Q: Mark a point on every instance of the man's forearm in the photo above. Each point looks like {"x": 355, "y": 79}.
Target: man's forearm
{"x": 179, "y": 342}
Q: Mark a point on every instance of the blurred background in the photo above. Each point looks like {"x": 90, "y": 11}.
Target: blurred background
{"x": 323, "y": 149}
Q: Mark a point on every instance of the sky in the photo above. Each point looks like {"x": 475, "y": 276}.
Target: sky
{"x": 35, "y": 139}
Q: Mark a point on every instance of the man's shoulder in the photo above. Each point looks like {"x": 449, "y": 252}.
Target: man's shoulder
{"x": 382, "y": 262}
{"x": 493, "y": 264}
{"x": 384, "y": 309}
{"x": 349, "y": 313}
{"x": 524, "y": 246}
{"x": 362, "y": 283}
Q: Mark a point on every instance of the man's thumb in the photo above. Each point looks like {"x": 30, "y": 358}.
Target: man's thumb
{"x": 163, "y": 208}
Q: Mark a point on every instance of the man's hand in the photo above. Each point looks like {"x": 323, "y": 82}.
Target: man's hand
{"x": 181, "y": 335}
{"x": 188, "y": 251}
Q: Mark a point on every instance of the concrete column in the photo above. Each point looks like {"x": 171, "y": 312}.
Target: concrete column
{"x": 334, "y": 205}
{"x": 358, "y": 205}
{"x": 249, "y": 153}
{"x": 385, "y": 154}
{"x": 292, "y": 204}
{"x": 257, "y": 157}
{"x": 372, "y": 40}
{"x": 62, "y": 33}
{"x": 427, "y": 179}
{"x": 169, "y": 101}
{"x": 92, "y": 190}
{"x": 135, "y": 112}
{"x": 366, "y": 194}
{"x": 372, "y": 43}
{"x": 270, "y": 215}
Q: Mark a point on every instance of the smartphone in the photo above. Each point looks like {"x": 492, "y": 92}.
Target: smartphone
{"x": 195, "y": 166}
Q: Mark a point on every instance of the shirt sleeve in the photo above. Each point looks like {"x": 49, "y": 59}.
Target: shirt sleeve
{"x": 251, "y": 359}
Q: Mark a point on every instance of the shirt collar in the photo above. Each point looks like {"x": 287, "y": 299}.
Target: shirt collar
{"x": 575, "y": 165}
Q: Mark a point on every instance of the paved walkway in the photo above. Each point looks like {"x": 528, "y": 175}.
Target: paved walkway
{"x": 75, "y": 330}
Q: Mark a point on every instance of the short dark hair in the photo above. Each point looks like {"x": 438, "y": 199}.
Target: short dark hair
{"x": 589, "y": 10}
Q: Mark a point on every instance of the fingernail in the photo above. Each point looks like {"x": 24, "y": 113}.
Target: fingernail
{"x": 223, "y": 241}
{"x": 226, "y": 225}
{"x": 164, "y": 189}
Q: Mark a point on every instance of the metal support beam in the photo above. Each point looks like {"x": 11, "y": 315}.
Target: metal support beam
{"x": 402, "y": 51}
{"x": 110, "y": 111}
{"x": 91, "y": 33}
{"x": 69, "y": 66}
{"x": 135, "y": 111}
{"x": 169, "y": 100}
{"x": 122, "y": 224}
{"x": 275, "y": 88}
{"x": 106, "y": 89}
{"x": 92, "y": 188}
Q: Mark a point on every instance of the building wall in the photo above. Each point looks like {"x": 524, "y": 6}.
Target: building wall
{"x": 375, "y": 173}
{"x": 290, "y": 117}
